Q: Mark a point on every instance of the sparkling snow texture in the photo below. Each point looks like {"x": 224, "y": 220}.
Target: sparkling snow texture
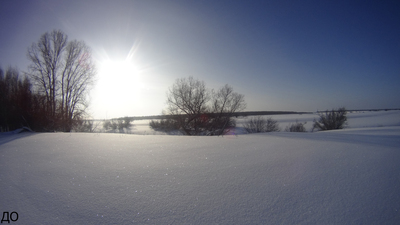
{"x": 350, "y": 176}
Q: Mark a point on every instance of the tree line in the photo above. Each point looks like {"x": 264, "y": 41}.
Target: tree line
{"x": 51, "y": 96}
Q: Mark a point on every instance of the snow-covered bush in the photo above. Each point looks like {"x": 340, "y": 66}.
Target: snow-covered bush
{"x": 331, "y": 120}
{"x": 259, "y": 124}
{"x": 297, "y": 127}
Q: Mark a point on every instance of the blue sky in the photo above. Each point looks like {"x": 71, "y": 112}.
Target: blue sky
{"x": 282, "y": 55}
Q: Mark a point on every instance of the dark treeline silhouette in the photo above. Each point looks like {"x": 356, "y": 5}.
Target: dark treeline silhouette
{"x": 17, "y": 103}
{"x": 52, "y": 94}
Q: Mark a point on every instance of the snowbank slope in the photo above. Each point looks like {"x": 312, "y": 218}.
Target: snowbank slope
{"x": 339, "y": 177}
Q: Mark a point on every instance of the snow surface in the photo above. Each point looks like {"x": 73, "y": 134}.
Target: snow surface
{"x": 347, "y": 176}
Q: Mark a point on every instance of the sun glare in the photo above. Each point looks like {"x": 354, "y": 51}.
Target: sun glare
{"x": 122, "y": 68}
{"x": 118, "y": 86}
{"x": 120, "y": 89}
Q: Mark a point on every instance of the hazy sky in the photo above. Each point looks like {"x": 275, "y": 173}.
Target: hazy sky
{"x": 282, "y": 55}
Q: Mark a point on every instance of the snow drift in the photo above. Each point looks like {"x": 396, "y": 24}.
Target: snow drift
{"x": 335, "y": 177}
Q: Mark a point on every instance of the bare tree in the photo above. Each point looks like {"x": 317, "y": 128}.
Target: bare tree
{"x": 225, "y": 102}
{"x": 187, "y": 99}
{"x": 63, "y": 72}
{"x": 197, "y": 110}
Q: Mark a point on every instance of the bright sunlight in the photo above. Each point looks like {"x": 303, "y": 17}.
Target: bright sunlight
{"x": 118, "y": 87}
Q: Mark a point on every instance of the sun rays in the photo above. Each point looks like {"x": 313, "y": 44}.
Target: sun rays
{"x": 119, "y": 83}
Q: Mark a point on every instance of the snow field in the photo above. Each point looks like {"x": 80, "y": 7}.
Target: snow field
{"x": 338, "y": 177}
{"x": 285, "y": 178}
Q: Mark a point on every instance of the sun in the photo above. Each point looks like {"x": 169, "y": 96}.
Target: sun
{"x": 118, "y": 88}
{"x": 118, "y": 76}
{"x": 124, "y": 69}
{"x": 123, "y": 87}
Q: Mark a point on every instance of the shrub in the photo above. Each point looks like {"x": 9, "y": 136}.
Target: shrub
{"x": 297, "y": 127}
{"x": 119, "y": 124}
{"x": 220, "y": 125}
{"x": 107, "y": 125}
{"x": 259, "y": 124}
{"x": 84, "y": 126}
{"x": 331, "y": 120}
{"x": 125, "y": 123}
{"x": 164, "y": 125}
